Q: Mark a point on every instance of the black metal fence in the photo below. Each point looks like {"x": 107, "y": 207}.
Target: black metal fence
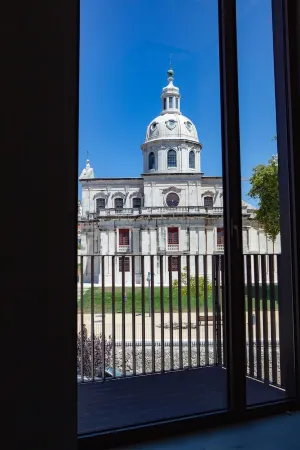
{"x": 158, "y": 313}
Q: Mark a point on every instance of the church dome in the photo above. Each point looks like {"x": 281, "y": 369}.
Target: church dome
{"x": 171, "y": 125}
{"x": 171, "y": 144}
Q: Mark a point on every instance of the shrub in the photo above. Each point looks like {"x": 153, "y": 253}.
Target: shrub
{"x": 83, "y": 337}
{"x": 193, "y": 282}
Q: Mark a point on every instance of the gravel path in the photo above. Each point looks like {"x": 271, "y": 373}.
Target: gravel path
{"x": 185, "y": 361}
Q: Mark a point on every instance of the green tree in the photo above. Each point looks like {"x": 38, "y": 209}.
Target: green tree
{"x": 192, "y": 284}
{"x": 264, "y": 189}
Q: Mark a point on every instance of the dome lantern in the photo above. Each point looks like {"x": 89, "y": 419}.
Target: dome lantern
{"x": 170, "y": 95}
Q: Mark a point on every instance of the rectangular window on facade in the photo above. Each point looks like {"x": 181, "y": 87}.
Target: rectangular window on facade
{"x": 170, "y": 102}
{"x": 124, "y": 237}
{"x": 165, "y": 103}
{"x": 95, "y": 245}
{"x": 176, "y": 103}
{"x": 174, "y": 264}
{"x": 119, "y": 203}
{"x": 208, "y": 202}
{"x": 126, "y": 264}
{"x": 100, "y": 204}
{"x": 220, "y": 236}
{"x": 137, "y": 202}
{"x": 173, "y": 237}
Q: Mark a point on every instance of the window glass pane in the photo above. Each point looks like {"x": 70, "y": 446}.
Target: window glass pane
{"x": 220, "y": 236}
{"x": 124, "y": 237}
{"x": 151, "y": 161}
{"x": 156, "y": 221}
{"x": 208, "y": 202}
{"x": 126, "y": 266}
{"x": 172, "y": 158}
{"x": 173, "y": 236}
{"x": 100, "y": 203}
{"x": 192, "y": 160}
{"x": 119, "y": 203}
{"x": 137, "y": 202}
{"x": 174, "y": 264}
{"x": 172, "y": 200}
{"x": 261, "y": 210}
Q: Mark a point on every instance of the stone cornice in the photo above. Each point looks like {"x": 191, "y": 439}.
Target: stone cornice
{"x": 167, "y": 142}
{"x": 171, "y": 189}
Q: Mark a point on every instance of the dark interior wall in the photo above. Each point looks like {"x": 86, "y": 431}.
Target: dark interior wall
{"x": 294, "y": 114}
{"x": 39, "y": 242}
{"x": 287, "y": 93}
{"x": 38, "y": 142}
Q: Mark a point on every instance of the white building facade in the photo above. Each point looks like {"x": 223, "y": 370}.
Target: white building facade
{"x": 171, "y": 209}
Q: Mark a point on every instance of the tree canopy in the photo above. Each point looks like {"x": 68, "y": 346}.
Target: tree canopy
{"x": 264, "y": 189}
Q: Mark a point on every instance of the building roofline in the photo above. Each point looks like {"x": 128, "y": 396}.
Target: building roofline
{"x": 156, "y": 174}
{"x": 109, "y": 179}
{"x": 163, "y": 174}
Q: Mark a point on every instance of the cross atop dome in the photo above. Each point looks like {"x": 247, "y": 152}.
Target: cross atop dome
{"x": 170, "y": 71}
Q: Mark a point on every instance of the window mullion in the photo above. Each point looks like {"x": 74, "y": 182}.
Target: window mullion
{"x": 234, "y": 274}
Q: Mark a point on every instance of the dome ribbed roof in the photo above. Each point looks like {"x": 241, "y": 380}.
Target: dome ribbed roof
{"x": 171, "y": 126}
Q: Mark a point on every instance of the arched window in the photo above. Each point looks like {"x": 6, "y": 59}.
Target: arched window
{"x": 118, "y": 203}
{"x": 100, "y": 204}
{"x": 172, "y": 158}
{"x": 137, "y": 202}
{"x": 208, "y": 202}
{"x": 151, "y": 161}
{"x": 192, "y": 160}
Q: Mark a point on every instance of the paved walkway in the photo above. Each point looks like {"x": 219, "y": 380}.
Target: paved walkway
{"x": 129, "y": 326}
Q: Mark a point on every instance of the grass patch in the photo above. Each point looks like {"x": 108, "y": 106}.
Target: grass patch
{"x": 138, "y": 301}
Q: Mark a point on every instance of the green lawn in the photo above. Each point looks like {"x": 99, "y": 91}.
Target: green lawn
{"x": 138, "y": 300}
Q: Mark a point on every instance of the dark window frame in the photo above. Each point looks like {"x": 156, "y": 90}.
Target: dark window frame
{"x": 286, "y": 72}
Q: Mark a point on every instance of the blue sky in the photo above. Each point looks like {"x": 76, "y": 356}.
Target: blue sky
{"x": 124, "y": 57}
